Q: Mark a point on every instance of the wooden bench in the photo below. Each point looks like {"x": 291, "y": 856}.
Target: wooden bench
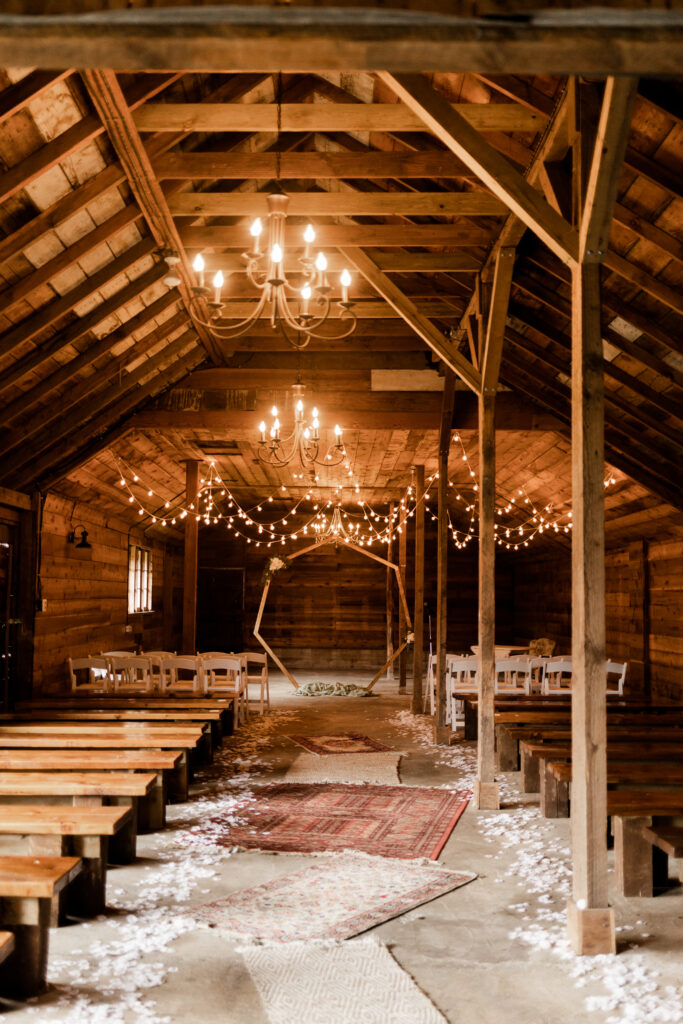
{"x": 632, "y": 812}
{"x": 555, "y": 779}
{"x": 115, "y": 701}
{"x": 213, "y": 718}
{"x": 28, "y": 887}
{"x": 86, "y": 789}
{"x": 194, "y": 738}
{"x": 557, "y": 746}
{"x": 170, "y": 768}
{"x": 77, "y": 831}
{"x": 509, "y": 739}
{"x": 666, "y": 840}
{"x": 553, "y": 703}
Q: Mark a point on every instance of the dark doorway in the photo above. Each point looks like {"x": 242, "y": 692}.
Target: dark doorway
{"x": 220, "y": 609}
{"x": 8, "y": 613}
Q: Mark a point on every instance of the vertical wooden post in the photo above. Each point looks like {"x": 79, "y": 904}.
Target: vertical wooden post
{"x": 390, "y": 596}
{"x": 639, "y": 620}
{"x": 190, "y": 558}
{"x": 442, "y": 731}
{"x": 590, "y": 920}
{"x": 486, "y": 788}
{"x": 418, "y": 614}
{"x": 402, "y": 566}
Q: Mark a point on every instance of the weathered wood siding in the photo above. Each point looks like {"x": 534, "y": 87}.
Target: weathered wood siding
{"x": 87, "y": 592}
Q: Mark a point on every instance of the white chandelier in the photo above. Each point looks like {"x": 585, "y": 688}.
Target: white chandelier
{"x": 336, "y": 529}
{"x": 265, "y": 271}
{"x": 303, "y": 442}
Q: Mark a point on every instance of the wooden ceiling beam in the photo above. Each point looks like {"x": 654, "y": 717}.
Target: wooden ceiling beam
{"x": 53, "y": 311}
{"x": 339, "y": 204}
{"x": 396, "y": 262}
{"x": 117, "y": 116}
{"x": 365, "y": 309}
{"x": 578, "y": 41}
{"x": 496, "y": 319}
{"x": 640, "y": 278}
{"x": 214, "y": 166}
{"x": 332, "y": 236}
{"x": 17, "y": 95}
{"x": 491, "y": 167}
{"x": 103, "y": 407}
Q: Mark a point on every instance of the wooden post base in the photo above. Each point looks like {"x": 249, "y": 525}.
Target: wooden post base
{"x": 442, "y": 735}
{"x": 486, "y": 796}
{"x": 591, "y": 930}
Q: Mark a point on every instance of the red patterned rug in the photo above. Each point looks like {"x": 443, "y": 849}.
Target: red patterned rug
{"x": 387, "y": 821}
{"x": 345, "y": 743}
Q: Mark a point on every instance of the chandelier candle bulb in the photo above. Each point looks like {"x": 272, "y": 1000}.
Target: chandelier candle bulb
{"x": 321, "y": 267}
{"x": 255, "y": 231}
{"x": 198, "y": 267}
{"x": 218, "y": 283}
{"x": 262, "y": 429}
{"x": 309, "y": 238}
{"x": 305, "y": 297}
{"x": 345, "y": 283}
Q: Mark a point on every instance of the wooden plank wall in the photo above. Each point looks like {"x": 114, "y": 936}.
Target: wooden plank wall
{"x": 644, "y": 610}
{"x": 86, "y": 592}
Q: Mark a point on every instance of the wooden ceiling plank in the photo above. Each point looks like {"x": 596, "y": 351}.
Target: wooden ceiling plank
{"x": 665, "y": 294}
{"x": 608, "y": 156}
{"x": 81, "y": 325}
{"x": 649, "y": 232}
{"x": 17, "y": 292}
{"x": 492, "y": 168}
{"x": 325, "y": 117}
{"x": 340, "y": 204}
{"x": 334, "y": 235}
{"x": 239, "y": 166}
{"x": 410, "y": 313}
{"x": 101, "y": 410}
{"x": 29, "y": 88}
{"x": 117, "y": 117}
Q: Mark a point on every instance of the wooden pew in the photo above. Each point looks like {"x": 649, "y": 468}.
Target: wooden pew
{"x": 648, "y": 743}
{"x": 666, "y": 840}
{"x": 169, "y": 767}
{"x": 28, "y": 887}
{"x": 194, "y": 738}
{"x": 211, "y": 717}
{"x": 113, "y": 701}
{"x": 86, "y": 789}
{"x": 555, "y": 778}
{"x": 632, "y": 812}
{"x": 555, "y": 703}
{"x": 76, "y": 831}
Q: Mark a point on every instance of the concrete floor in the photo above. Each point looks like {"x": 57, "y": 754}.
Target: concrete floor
{"x": 492, "y": 952}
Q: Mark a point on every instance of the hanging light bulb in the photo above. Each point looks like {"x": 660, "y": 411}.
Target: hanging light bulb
{"x": 198, "y": 267}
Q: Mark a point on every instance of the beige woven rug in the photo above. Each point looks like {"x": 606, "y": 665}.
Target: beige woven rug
{"x": 380, "y": 769}
{"x": 356, "y": 982}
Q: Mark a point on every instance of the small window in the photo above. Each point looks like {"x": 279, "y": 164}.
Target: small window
{"x": 139, "y": 579}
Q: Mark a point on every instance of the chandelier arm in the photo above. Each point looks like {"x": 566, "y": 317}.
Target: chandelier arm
{"x": 235, "y": 330}
{"x": 346, "y": 315}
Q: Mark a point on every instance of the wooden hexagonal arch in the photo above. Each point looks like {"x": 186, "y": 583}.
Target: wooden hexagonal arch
{"x": 361, "y": 551}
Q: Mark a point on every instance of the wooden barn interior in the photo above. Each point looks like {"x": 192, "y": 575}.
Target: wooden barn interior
{"x": 506, "y": 370}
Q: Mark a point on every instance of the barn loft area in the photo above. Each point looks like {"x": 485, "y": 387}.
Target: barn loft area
{"x": 341, "y": 369}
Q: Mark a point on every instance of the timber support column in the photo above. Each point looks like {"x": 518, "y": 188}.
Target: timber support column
{"x": 402, "y": 566}
{"x": 190, "y": 558}
{"x": 590, "y": 919}
{"x": 390, "y": 594}
{"x": 486, "y": 797}
{"x": 442, "y": 731}
{"x": 418, "y": 614}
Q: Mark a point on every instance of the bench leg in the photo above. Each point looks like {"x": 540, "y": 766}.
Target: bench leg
{"x": 632, "y": 856}
{"x": 86, "y": 895}
{"x": 507, "y": 750}
{"x": 471, "y": 721}
{"x": 177, "y": 781}
{"x": 23, "y": 973}
{"x": 152, "y": 808}
{"x": 531, "y": 778}
{"x": 123, "y": 845}
{"x": 51, "y": 846}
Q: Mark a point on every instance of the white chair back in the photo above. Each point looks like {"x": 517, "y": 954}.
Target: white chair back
{"x": 461, "y": 677}
{"x": 616, "y": 676}
{"x": 226, "y": 675}
{"x": 513, "y": 675}
{"x": 255, "y": 665}
{"x": 96, "y": 671}
{"x": 132, "y": 672}
{"x": 558, "y": 675}
{"x": 156, "y": 658}
{"x": 182, "y": 674}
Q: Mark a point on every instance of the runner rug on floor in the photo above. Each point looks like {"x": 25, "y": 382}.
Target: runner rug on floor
{"x": 336, "y": 983}
{"x": 388, "y": 821}
{"x": 381, "y": 769}
{"x": 345, "y": 743}
{"x": 334, "y": 898}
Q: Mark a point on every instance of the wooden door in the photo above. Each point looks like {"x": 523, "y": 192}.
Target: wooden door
{"x": 220, "y": 609}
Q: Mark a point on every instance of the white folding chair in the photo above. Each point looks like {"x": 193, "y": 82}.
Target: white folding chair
{"x": 558, "y": 675}
{"x": 513, "y": 675}
{"x": 225, "y": 675}
{"x": 461, "y": 677}
{"x": 259, "y": 678}
{"x": 182, "y": 673}
{"x": 133, "y": 672}
{"x": 616, "y": 676}
{"x": 96, "y": 671}
{"x": 156, "y": 658}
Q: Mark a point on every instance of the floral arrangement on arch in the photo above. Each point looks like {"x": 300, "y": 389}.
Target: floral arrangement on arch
{"x": 275, "y": 565}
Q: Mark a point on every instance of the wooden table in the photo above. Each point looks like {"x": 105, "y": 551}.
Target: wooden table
{"x": 27, "y": 888}
{"x": 77, "y": 831}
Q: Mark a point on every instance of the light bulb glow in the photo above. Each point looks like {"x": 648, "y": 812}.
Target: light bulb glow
{"x": 218, "y": 280}
{"x": 306, "y": 292}
{"x": 256, "y": 228}
{"x": 309, "y": 234}
{"x": 321, "y": 261}
{"x": 345, "y": 278}
{"x": 198, "y": 264}
{"x": 276, "y": 254}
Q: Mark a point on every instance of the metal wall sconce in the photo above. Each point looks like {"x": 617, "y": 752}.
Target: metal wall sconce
{"x": 83, "y": 540}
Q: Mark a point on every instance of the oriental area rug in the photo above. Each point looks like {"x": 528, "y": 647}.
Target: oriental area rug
{"x": 356, "y": 982}
{"x": 334, "y": 898}
{"x": 387, "y": 821}
{"x": 380, "y": 769}
{"x": 345, "y": 743}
